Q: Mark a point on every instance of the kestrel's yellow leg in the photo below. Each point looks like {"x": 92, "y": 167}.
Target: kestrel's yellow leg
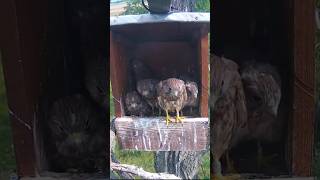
{"x": 178, "y": 118}
{"x": 167, "y": 118}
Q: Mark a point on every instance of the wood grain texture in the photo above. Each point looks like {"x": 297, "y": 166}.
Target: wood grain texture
{"x": 118, "y": 73}
{"x": 23, "y": 26}
{"x": 303, "y": 105}
{"x": 203, "y": 58}
{"x": 152, "y": 134}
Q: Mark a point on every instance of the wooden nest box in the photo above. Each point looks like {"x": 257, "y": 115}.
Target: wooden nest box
{"x": 169, "y": 45}
{"x": 280, "y": 33}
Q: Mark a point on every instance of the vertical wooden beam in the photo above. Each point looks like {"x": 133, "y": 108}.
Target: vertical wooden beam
{"x": 203, "y": 57}
{"x": 303, "y": 105}
{"x": 22, "y": 35}
{"x": 117, "y": 74}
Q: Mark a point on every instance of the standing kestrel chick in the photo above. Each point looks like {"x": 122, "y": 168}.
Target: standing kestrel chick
{"x": 172, "y": 96}
{"x": 228, "y": 108}
{"x": 136, "y": 105}
{"x": 148, "y": 90}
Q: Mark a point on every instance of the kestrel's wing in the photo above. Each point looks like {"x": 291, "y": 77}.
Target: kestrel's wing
{"x": 241, "y": 104}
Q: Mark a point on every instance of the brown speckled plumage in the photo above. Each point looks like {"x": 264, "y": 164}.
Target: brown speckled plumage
{"x": 96, "y": 80}
{"x": 172, "y": 94}
{"x": 192, "y": 91}
{"x": 147, "y": 88}
{"x": 228, "y": 108}
{"x": 262, "y": 85}
{"x": 135, "y": 105}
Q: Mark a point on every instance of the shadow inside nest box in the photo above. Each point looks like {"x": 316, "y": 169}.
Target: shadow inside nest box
{"x": 245, "y": 159}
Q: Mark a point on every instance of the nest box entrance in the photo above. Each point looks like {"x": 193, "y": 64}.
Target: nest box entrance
{"x": 170, "y": 46}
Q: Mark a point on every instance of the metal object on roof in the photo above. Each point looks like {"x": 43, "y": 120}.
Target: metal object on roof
{"x": 194, "y": 17}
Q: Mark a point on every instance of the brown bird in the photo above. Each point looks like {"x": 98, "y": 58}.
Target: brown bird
{"x": 228, "y": 108}
{"x": 141, "y": 70}
{"x": 77, "y": 131}
{"x": 192, "y": 93}
{"x": 96, "y": 80}
{"x": 147, "y": 88}
{"x": 172, "y": 96}
{"x": 262, "y": 86}
{"x": 136, "y": 105}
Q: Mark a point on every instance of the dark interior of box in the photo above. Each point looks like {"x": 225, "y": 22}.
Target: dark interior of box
{"x": 64, "y": 76}
{"x": 167, "y": 49}
{"x": 257, "y": 30}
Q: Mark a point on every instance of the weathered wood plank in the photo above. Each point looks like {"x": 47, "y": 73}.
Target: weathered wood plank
{"x": 303, "y": 100}
{"x": 152, "y": 134}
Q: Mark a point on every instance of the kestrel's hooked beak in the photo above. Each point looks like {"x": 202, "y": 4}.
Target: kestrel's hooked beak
{"x": 175, "y": 93}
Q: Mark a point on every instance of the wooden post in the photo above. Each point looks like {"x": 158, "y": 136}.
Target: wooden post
{"x": 203, "y": 55}
{"x": 303, "y": 105}
{"x": 22, "y": 42}
{"x": 118, "y": 73}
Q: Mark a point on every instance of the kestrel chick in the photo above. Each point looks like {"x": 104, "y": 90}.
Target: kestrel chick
{"x": 96, "y": 81}
{"x": 136, "y": 105}
{"x": 262, "y": 86}
{"x": 141, "y": 70}
{"x": 228, "y": 108}
{"x": 147, "y": 88}
{"x": 77, "y": 131}
{"x": 172, "y": 96}
{"x": 192, "y": 92}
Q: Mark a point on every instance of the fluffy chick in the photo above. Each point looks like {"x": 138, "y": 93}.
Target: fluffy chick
{"x": 136, "y": 105}
{"x": 147, "y": 88}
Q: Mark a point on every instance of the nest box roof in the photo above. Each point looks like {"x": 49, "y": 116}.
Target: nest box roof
{"x": 183, "y": 17}
{"x": 172, "y": 26}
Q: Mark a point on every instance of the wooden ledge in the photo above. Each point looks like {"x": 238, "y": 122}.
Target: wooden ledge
{"x": 152, "y": 134}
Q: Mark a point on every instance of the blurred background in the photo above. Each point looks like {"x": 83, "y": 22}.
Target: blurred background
{"x": 143, "y": 159}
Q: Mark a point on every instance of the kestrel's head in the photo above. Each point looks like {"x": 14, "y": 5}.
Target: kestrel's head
{"x": 192, "y": 91}
{"x": 262, "y": 87}
{"x": 137, "y": 65}
{"x": 147, "y": 88}
{"x": 223, "y": 73}
{"x": 132, "y": 100}
{"x": 171, "y": 88}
